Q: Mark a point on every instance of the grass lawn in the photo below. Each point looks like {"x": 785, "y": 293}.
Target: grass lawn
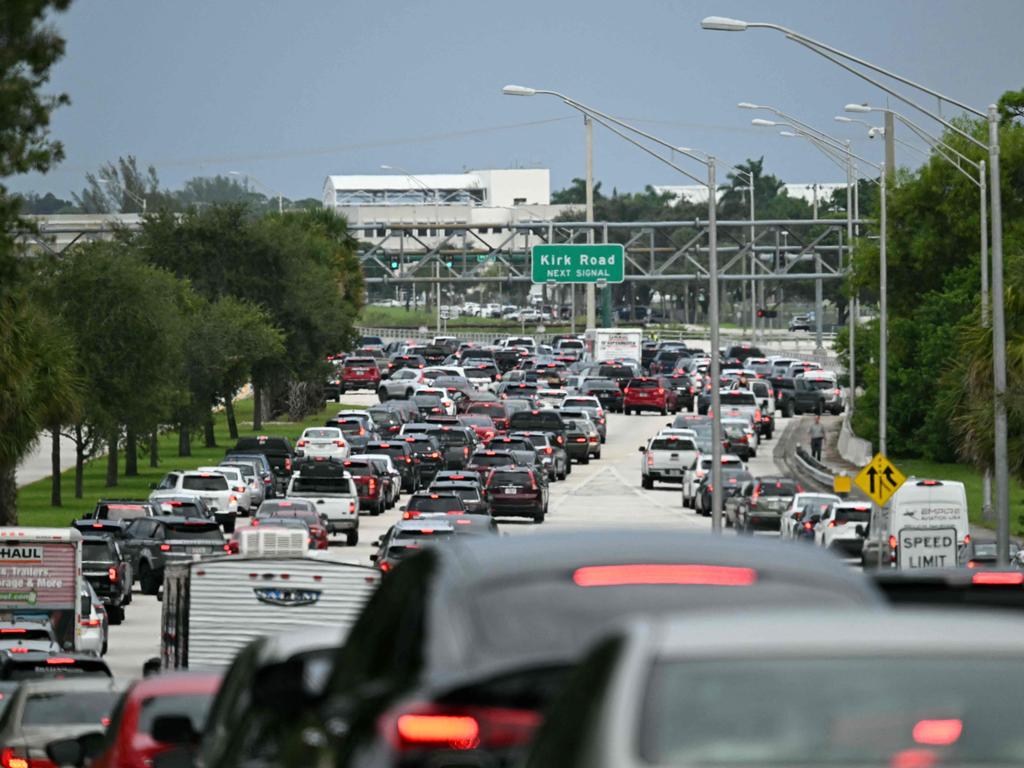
{"x": 971, "y": 479}
{"x": 34, "y": 499}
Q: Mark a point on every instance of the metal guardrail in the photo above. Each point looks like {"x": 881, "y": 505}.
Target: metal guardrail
{"x": 820, "y": 472}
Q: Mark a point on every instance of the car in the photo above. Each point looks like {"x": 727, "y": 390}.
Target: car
{"x": 358, "y": 373}
{"x": 388, "y": 474}
{"x": 355, "y": 431}
{"x": 433, "y": 401}
{"x": 552, "y": 455}
{"x": 25, "y": 665}
{"x": 212, "y": 487}
{"x": 800, "y": 323}
{"x": 237, "y": 484}
{"x": 607, "y": 392}
{"x": 409, "y": 537}
{"x": 833, "y": 401}
{"x": 745, "y": 402}
{"x": 330, "y": 487}
{"x": 762, "y": 390}
{"x": 250, "y": 478}
{"x": 794, "y": 513}
{"x": 261, "y": 466}
{"x": 109, "y": 571}
{"x": 665, "y": 458}
{"x": 145, "y": 712}
{"x": 30, "y": 634}
{"x": 371, "y": 484}
{"x": 648, "y": 393}
{"x": 842, "y": 526}
{"x": 455, "y": 658}
{"x": 733, "y": 479}
{"x": 693, "y": 476}
{"x": 433, "y": 501}
{"x": 387, "y": 419}
{"x": 402, "y": 458}
{"x": 762, "y": 503}
{"x": 279, "y": 452}
{"x": 329, "y": 442}
{"x": 738, "y": 440}
{"x": 495, "y": 410}
{"x": 152, "y": 543}
{"x": 695, "y": 678}
{"x": 984, "y": 554}
{"x": 94, "y": 623}
{"x": 401, "y": 384}
{"x": 517, "y": 492}
{"x": 456, "y": 442}
{"x": 426, "y": 455}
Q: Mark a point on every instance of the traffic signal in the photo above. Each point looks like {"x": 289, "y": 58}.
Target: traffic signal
{"x": 760, "y": 313}
{"x": 768, "y": 313}
{"x": 394, "y": 262}
{"x": 449, "y": 261}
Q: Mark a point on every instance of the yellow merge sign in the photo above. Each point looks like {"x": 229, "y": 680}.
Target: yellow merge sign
{"x": 880, "y": 479}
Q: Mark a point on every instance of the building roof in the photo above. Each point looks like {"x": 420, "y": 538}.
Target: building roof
{"x": 402, "y": 181}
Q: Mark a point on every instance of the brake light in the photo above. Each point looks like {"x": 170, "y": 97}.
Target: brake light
{"x": 340, "y": 443}
{"x": 638, "y": 574}
{"x": 581, "y": 439}
{"x": 426, "y": 726}
{"x": 832, "y": 524}
{"x": 351, "y": 507}
{"x": 650, "y": 459}
{"x": 287, "y": 464}
{"x": 999, "y": 578}
{"x": 300, "y": 444}
{"x": 808, "y": 526}
{"x": 12, "y": 631}
{"x": 9, "y": 760}
{"x": 373, "y": 486}
{"x": 892, "y": 542}
{"x": 940, "y": 733}
{"x": 112, "y": 574}
{"x": 59, "y": 660}
{"x": 83, "y": 622}
{"x": 533, "y": 482}
{"x": 165, "y": 547}
{"x": 434, "y": 455}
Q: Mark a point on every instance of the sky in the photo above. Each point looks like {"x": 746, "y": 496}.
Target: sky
{"x": 289, "y": 92}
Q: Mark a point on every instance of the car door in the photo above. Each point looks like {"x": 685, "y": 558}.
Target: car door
{"x": 136, "y": 535}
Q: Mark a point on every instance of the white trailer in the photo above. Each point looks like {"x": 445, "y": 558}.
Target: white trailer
{"x": 613, "y": 343}
{"x": 213, "y": 607}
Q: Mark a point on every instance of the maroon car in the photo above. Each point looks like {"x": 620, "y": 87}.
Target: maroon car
{"x": 517, "y": 492}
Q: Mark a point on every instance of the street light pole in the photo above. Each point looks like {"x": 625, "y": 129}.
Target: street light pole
{"x": 883, "y": 319}
{"x": 591, "y": 293}
{"x": 716, "y": 395}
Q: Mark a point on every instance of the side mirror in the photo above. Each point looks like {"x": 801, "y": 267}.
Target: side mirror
{"x": 374, "y": 557}
{"x": 174, "y": 729}
{"x": 400, "y": 509}
{"x": 860, "y": 531}
{"x": 642, "y": 449}
{"x": 151, "y": 666}
{"x": 668, "y": 423}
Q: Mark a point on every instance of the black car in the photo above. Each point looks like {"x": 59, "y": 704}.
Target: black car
{"x": 468, "y": 491}
{"x": 552, "y": 455}
{"x": 608, "y": 392}
{"x": 398, "y": 362}
{"x": 433, "y": 501}
{"x": 409, "y": 537}
{"x": 426, "y": 454}
{"x": 386, "y": 421}
{"x": 517, "y": 492}
{"x": 577, "y": 441}
{"x": 109, "y": 571}
{"x": 401, "y": 456}
{"x": 278, "y": 450}
{"x": 733, "y": 479}
{"x": 459, "y": 652}
{"x": 483, "y": 460}
{"x": 456, "y": 443}
{"x": 616, "y": 372}
{"x": 152, "y": 543}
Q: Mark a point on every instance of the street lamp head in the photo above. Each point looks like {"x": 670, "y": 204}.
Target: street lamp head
{"x": 841, "y": 119}
{"x": 788, "y": 134}
{"x": 386, "y": 168}
{"x": 747, "y": 105}
{"x": 723, "y": 24}
{"x": 857, "y": 108}
{"x": 518, "y": 90}
{"x": 759, "y": 121}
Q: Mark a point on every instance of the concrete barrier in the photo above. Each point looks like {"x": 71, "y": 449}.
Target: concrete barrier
{"x": 853, "y": 449}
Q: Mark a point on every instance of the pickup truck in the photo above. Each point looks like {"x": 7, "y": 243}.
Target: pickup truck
{"x": 330, "y": 487}
{"x": 666, "y": 458}
{"x": 746, "y": 403}
{"x": 796, "y": 396}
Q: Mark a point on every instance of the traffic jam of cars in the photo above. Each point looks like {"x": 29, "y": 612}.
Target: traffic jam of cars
{"x": 471, "y": 634}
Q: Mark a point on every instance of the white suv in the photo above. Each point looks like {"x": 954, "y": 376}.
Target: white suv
{"x": 237, "y": 483}
{"x": 693, "y": 475}
{"x": 328, "y": 442}
{"x": 837, "y": 529}
{"x": 212, "y": 487}
{"x": 793, "y": 515}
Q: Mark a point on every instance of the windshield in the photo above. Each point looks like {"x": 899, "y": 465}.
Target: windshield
{"x": 67, "y": 708}
{"x": 944, "y": 713}
{"x": 96, "y": 551}
{"x": 204, "y": 483}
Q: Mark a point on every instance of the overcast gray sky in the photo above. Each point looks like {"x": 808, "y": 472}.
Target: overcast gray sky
{"x": 293, "y": 91}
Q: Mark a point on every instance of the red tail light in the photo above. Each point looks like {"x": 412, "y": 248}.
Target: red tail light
{"x": 832, "y": 524}
{"x": 892, "y": 542}
{"x": 165, "y": 547}
{"x": 641, "y": 574}
{"x": 581, "y": 439}
{"x": 384, "y": 567}
{"x": 373, "y": 486}
{"x": 431, "y": 726}
{"x": 112, "y": 574}
{"x": 84, "y": 623}
{"x": 287, "y": 464}
{"x": 999, "y": 578}
{"x": 300, "y": 444}
{"x": 808, "y": 526}
{"x": 9, "y": 760}
{"x": 533, "y": 482}
{"x": 340, "y": 443}
{"x": 650, "y": 459}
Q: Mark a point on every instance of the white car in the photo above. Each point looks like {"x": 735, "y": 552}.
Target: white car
{"x": 446, "y": 402}
{"x": 237, "y": 483}
{"x": 92, "y": 636}
{"x": 403, "y": 383}
{"x": 837, "y": 529}
{"x": 326, "y": 442}
{"x": 212, "y": 487}
{"x": 693, "y": 475}
{"x": 791, "y": 517}
{"x": 257, "y": 490}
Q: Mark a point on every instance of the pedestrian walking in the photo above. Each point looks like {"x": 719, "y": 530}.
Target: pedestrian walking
{"x": 817, "y": 438}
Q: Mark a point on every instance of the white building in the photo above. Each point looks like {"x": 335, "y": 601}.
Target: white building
{"x": 431, "y": 204}
{"x": 696, "y": 193}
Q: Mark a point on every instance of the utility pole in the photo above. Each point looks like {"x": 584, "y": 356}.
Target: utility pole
{"x": 591, "y": 294}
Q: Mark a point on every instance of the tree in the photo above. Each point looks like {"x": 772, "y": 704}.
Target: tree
{"x": 34, "y": 375}
{"x": 1011, "y": 106}
{"x": 575, "y": 193}
{"x": 122, "y": 187}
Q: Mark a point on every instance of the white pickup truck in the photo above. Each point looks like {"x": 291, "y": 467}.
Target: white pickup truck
{"x": 666, "y": 457}
{"x": 332, "y": 491}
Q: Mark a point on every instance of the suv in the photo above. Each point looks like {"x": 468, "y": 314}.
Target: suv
{"x": 456, "y": 443}
{"x": 649, "y": 394}
{"x": 518, "y": 493}
{"x": 433, "y": 501}
{"x": 110, "y": 573}
{"x": 552, "y": 455}
{"x": 261, "y": 466}
{"x": 483, "y": 460}
{"x": 539, "y": 421}
{"x": 212, "y": 487}
{"x": 330, "y": 487}
{"x": 152, "y": 543}
{"x": 763, "y": 503}
{"x": 401, "y": 457}
{"x": 837, "y": 529}
{"x": 608, "y": 393}
{"x": 369, "y": 484}
{"x": 358, "y": 373}
{"x": 665, "y": 458}
{"x": 467, "y": 490}
{"x": 279, "y": 453}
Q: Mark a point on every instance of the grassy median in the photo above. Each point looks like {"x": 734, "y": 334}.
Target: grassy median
{"x": 34, "y": 499}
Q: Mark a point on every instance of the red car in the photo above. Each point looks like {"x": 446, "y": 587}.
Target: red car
{"x": 130, "y": 742}
{"x": 359, "y": 373}
{"x": 369, "y": 485}
{"x": 481, "y": 424}
{"x": 649, "y": 394}
{"x": 496, "y": 411}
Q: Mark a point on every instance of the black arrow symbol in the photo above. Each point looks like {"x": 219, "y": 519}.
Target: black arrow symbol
{"x": 872, "y": 474}
{"x": 889, "y": 477}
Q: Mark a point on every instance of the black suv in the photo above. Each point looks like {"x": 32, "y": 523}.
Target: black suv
{"x": 539, "y": 421}
{"x": 109, "y": 571}
{"x": 279, "y": 453}
{"x": 153, "y": 542}
{"x": 401, "y": 457}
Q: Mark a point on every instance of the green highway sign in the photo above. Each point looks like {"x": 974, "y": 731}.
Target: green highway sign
{"x": 578, "y": 263}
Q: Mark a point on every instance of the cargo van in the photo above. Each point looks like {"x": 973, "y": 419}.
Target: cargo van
{"x": 924, "y": 525}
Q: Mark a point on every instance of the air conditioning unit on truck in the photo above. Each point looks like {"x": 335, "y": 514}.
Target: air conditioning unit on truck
{"x": 613, "y": 344}
{"x": 213, "y": 607}
{"x": 41, "y": 579}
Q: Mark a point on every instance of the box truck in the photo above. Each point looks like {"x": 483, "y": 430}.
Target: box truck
{"x": 613, "y": 343}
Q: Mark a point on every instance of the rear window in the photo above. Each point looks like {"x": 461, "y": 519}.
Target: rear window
{"x": 68, "y": 708}
{"x": 321, "y": 485}
{"x": 615, "y": 371}
{"x": 777, "y": 488}
{"x": 673, "y": 444}
{"x": 820, "y": 383}
{"x": 321, "y": 434}
{"x": 509, "y": 478}
{"x": 360, "y": 361}
{"x": 181, "y": 508}
{"x": 643, "y": 384}
{"x": 359, "y": 469}
{"x": 122, "y": 511}
{"x": 385, "y": 418}
{"x": 204, "y": 483}
{"x": 468, "y": 493}
{"x": 440, "y": 504}
{"x": 392, "y": 450}
{"x": 96, "y": 551}
{"x": 541, "y": 421}
{"x": 352, "y": 427}
{"x": 55, "y": 666}
{"x": 495, "y": 460}
{"x": 449, "y": 437}
{"x": 853, "y": 515}
{"x": 738, "y": 398}
{"x": 195, "y": 532}
{"x": 194, "y": 706}
{"x": 494, "y": 410}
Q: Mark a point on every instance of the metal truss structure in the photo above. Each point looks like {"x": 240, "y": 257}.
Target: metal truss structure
{"x": 763, "y": 250}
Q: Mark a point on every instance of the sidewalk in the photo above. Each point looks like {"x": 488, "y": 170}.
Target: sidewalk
{"x": 36, "y": 465}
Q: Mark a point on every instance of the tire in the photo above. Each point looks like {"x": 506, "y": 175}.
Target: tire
{"x": 115, "y": 614}
{"x": 585, "y": 459}
{"x": 538, "y": 517}
{"x": 597, "y": 455}
{"x": 568, "y": 468}
{"x": 341, "y": 391}
{"x": 103, "y": 652}
{"x": 664, "y": 411}
{"x": 647, "y": 482}
{"x": 626, "y": 411}
{"x": 378, "y": 509}
{"x": 351, "y": 538}
{"x": 382, "y": 394}
{"x": 148, "y": 581}
{"x": 408, "y": 394}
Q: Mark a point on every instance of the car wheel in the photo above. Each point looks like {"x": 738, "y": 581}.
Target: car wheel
{"x": 408, "y": 394}
{"x": 115, "y": 614}
{"x": 597, "y": 455}
{"x": 147, "y": 580}
{"x": 341, "y": 391}
{"x": 382, "y": 394}
{"x": 647, "y": 482}
{"x": 585, "y": 459}
{"x": 664, "y": 411}
{"x": 538, "y": 517}
{"x": 568, "y": 468}
{"x": 378, "y": 509}
{"x": 351, "y": 538}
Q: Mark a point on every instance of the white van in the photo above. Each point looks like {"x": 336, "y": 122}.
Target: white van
{"x": 924, "y": 525}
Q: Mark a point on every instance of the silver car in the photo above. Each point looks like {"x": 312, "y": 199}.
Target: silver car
{"x": 95, "y": 627}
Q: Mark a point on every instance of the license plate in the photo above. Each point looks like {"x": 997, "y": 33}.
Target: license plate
{"x": 511, "y": 490}
{"x": 198, "y": 550}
